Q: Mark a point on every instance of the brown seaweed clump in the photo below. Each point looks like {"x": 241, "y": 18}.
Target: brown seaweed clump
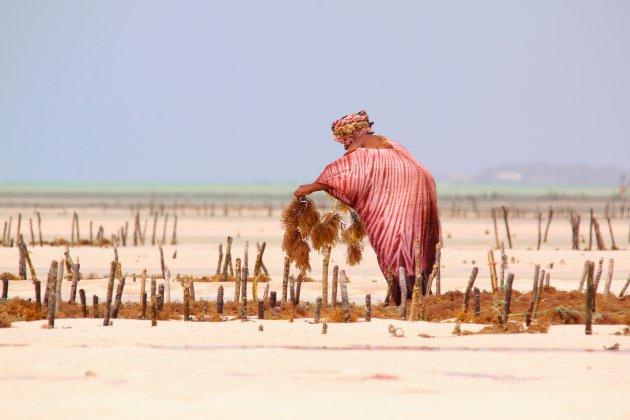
{"x": 327, "y": 231}
{"x": 353, "y": 236}
{"x": 354, "y": 254}
{"x": 298, "y": 220}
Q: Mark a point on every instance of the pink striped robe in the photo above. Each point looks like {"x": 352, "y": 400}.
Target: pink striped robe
{"x": 396, "y": 199}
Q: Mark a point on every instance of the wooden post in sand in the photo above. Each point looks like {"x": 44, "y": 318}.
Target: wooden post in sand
{"x": 612, "y": 236}
{"x": 508, "y": 297}
{"x": 389, "y": 278}
{"x": 21, "y": 258}
{"x": 532, "y": 301}
{"x": 325, "y": 265}
{"x": 95, "y": 313}
{"x": 549, "y": 218}
{"x": 227, "y": 262}
{"x": 58, "y": 285}
{"x": 318, "y": 310}
{"x": 601, "y": 245}
{"x": 30, "y": 222}
{"x": 345, "y": 304}
{"x": 503, "y": 265}
{"x": 292, "y": 289}
{"x": 539, "y": 292}
{"x": 155, "y": 217}
{"x": 5, "y": 287}
{"x": 174, "y": 237}
{"x": 298, "y": 288}
{"x": 237, "y": 281}
{"x": 624, "y": 288}
{"x": 438, "y": 270}
{"x": 186, "y": 301}
{"x": 368, "y": 308}
{"x": 402, "y": 281}
{"x": 83, "y": 303}
{"x": 272, "y": 299}
{"x": 598, "y": 276}
{"x": 118, "y": 299}
{"x": 52, "y": 280}
{"x": 493, "y": 274}
{"x": 261, "y": 309}
{"x": 154, "y": 303}
{"x": 244, "y": 294}
{"x": 110, "y": 293}
{"x": 333, "y": 291}
{"x": 220, "y": 300}
{"x": 476, "y": 302}
{"x": 609, "y": 277}
{"x": 164, "y": 229}
{"x": 575, "y": 230}
{"x": 143, "y": 311}
{"x": 39, "y": 228}
{"x": 191, "y": 286}
{"x": 507, "y": 225}
{"x": 418, "y": 286}
{"x": 220, "y": 259}
{"x": 167, "y": 286}
{"x": 471, "y": 282}
{"x": 589, "y": 301}
{"x": 496, "y": 230}
{"x": 162, "y": 268}
{"x": 285, "y": 278}
{"x": 38, "y": 293}
{"x": 587, "y": 264}
{"x": 75, "y": 282}
{"x": 590, "y": 232}
{"x": 91, "y": 234}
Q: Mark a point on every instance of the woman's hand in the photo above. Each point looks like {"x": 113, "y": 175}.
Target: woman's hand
{"x": 310, "y": 188}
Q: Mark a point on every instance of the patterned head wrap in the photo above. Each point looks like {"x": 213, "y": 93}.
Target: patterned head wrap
{"x": 351, "y": 126}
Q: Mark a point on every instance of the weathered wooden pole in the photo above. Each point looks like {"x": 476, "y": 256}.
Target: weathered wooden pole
{"x": 368, "y": 308}
{"x": 261, "y": 309}
{"x": 162, "y": 268}
{"x": 345, "y": 304}
{"x": 624, "y": 288}
{"x": 539, "y": 292}
{"x": 227, "y": 263}
{"x": 154, "y": 303}
{"x": 587, "y": 264}
{"x": 507, "y": 225}
{"x": 590, "y": 232}
{"x": 266, "y": 293}
{"x": 220, "y": 259}
{"x": 335, "y": 281}
{"x": 167, "y": 286}
{"x": 318, "y": 310}
{"x": 91, "y": 234}
{"x": 575, "y": 230}
{"x": 164, "y": 229}
{"x": 21, "y": 258}
{"x": 186, "y": 291}
{"x": 83, "y": 303}
{"x": 503, "y": 265}
{"x": 237, "y": 280}
{"x": 389, "y": 278}
{"x": 118, "y": 298}
{"x": 5, "y": 287}
{"x": 612, "y": 236}
{"x": 508, "y": 297}
{"x": 52, "y": 280}
{"x": 601, "y": 245}
{"x": 493, "y": 274}
{"x": 110, "y": 293}
{"x": 259, "y": 257}
{"x": 30, "y": 222}
{"x": 143, "y": 311}
{"x": 549, "y": 218}
{"x": 589, "y": 301}
{"x": 476, "y": 302}
{"x": 402, "y": 280}
{"x": 285, "y": 278}
{"x": 609, "y": 277}
{"x": 38, "y": 293}
{"x": 220, "y": 300}
{"x": 418, "y": 286}
{"x": 58, "y": 285}
{"x": 496, "y": 230}
{"x": 272, "y": 299}
{"x": 598, "y": 276}
{"x": 75, "y": 282}
{"x": 548, "y": 279}
{"x": 191, "y": 286}
{"x": 244, "y": 294}
{"x": 292, "y": 289}
{"x": 298, "y": 288}
{"x": 325, "y": 265}
{"x": 438, "y": 269}
{"x": 39, "y": 228}
{"x": 155, "y": 217}
{"x": 95, "y": 313}
{"x": 469, "y": 287}
{"x": 532, "y": 301}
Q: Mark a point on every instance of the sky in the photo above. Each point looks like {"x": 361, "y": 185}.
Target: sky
{"x": 245, "y": 91}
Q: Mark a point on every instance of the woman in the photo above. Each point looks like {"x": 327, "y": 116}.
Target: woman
{"x": 394, "y": 196}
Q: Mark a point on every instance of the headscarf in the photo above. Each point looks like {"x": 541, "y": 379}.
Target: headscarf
{"x": 351, "y": 126}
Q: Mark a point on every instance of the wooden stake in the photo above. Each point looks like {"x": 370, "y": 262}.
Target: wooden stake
{"x": 601, "y": 245}
{"x": 368, "y": 308}
{"x": 549, "y": 218}
{"x": 496, "y": 230}
{"x": 438, "y": 269}
{"x": 143, "y": 313}
{"x": 539, "y": 230}
{"x": 508, "y": 297}
{"x": 227, "y": 263}
{"x": 503, "y": 265}
{"x": 83, "y": 303}
{"x": 110, "y": 293}
{"x": 220, "y": 300}
{"x": 39, "y": 228}
{"x": 598, "y": 276}
{"x": 625, "y": 287}
{"x": 186, "y": 301}
{"x": 167, "y": 285}
{"x": 91, "y": 236}
{"x": 493, "y": 274}
{"x": 30, "y": 222}
{"x": 75, "y": 282}
{"x": 21, "y": 258}
{"x": 143, "y": 283}
{"x": 95, "y": 313}
{"x": 587, "y": 264}
{"x": 589, "y": 301}
{"x": 318, "y": 310}
{"x": 266, "y": 293}
{"x": 532, "y": 301}
{"x": 325, "y": 265}
{"x": 476, "y": 302}
{"x": 154, "y": 303}
{"x": 220, "y": 259}
{"x": 609, "y": 277}
{"x": 155, "y": 217}
{"x": 58, "y": 285}
{"x": 507, "y": 225}
{"x": 5, "y": 287}
{"x": 261, "y": 309}
{"x": 174, "y": 237}
{"x": 237, "y": 281}
{"x": 192, "y": 291}
{"x": 285, "y": 278}
{"x": 162, "y": 260}
{"x": 345, "y": 304}
{"x": 612, "y": 236}
{"x": 402, "y": 281}
{"x": 292, "y": 289}
{"x": 335, "y": 281}
{"x": 298, "y": 288}
{"x": 469, "y": 287}
{"x": 164, "y": 229}
{"x": 539, "y": 292}
{"x": 590, "y": 233}
{"x": 52, "y": 280}
{"x": 418, "y": 286}
{"x": 38, "y": 294}
{"x": 575, "y": 229}
{"x": 118, "y": 299}
{"x": 272, "y": 299}
{"x": 244, "y": 294}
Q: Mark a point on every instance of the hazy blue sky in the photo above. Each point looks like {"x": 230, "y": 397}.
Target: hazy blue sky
{"x": 245, "y": 91}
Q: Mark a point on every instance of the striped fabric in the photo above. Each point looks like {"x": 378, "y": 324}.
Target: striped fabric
{"x": 396, "y": 199}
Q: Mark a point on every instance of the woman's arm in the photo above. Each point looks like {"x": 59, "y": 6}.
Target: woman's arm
{"x": 310, "y": 188}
